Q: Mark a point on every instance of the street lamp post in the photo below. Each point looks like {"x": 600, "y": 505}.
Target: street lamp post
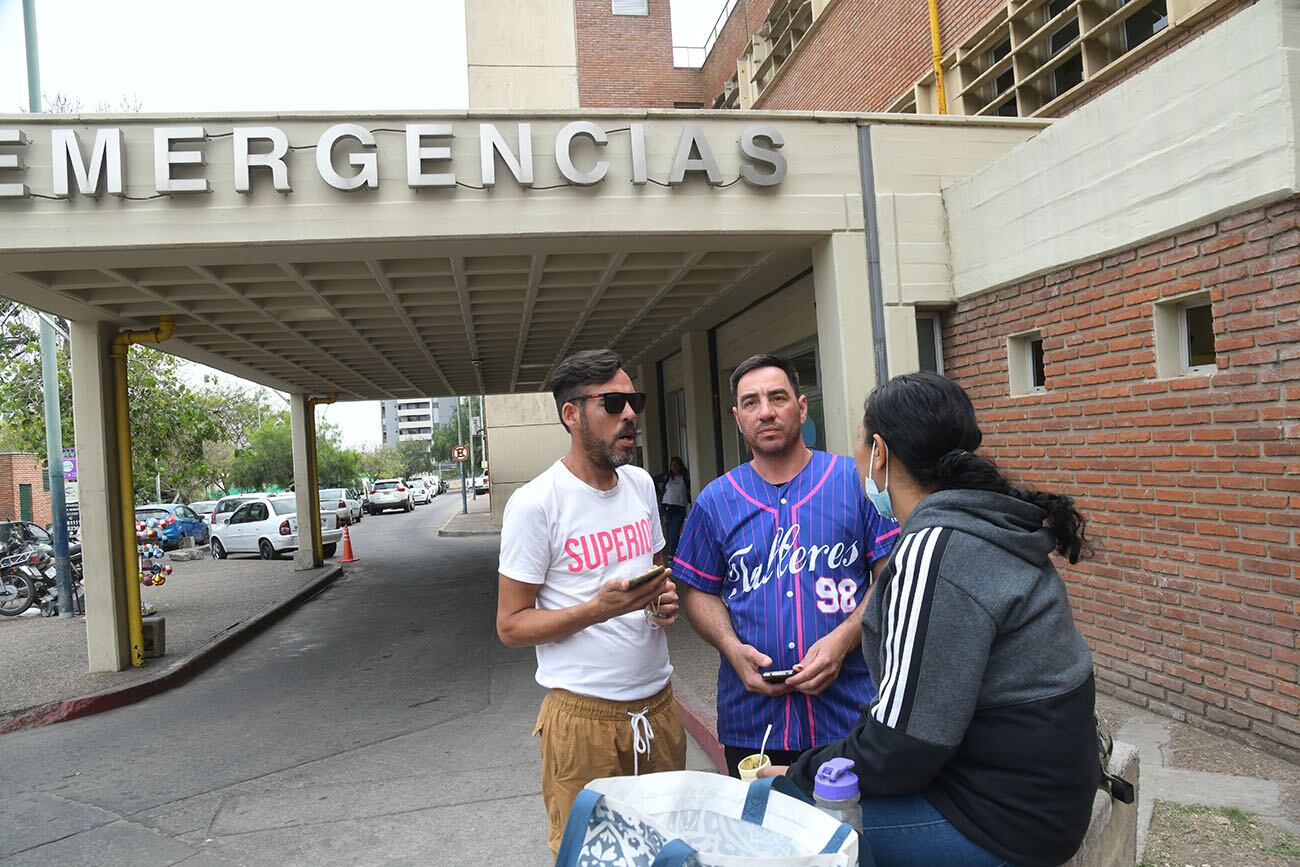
{"x": 50, "y": 365}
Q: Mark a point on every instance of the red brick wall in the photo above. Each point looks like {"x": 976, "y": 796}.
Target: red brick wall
{"x": 745, "y": 18}
{"x": 626, "y": 61}
{"x": 1191, "y": 485}
{"x": 867, "y": 53}
{"x": 22, "y": 469}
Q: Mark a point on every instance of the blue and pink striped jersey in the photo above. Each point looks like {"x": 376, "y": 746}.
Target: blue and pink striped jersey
{"x": 791, "y": 562}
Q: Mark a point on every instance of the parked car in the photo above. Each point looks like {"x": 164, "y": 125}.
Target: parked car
{"x": 481, "y": 484}
{"x": 204, "y": 510}
{"x": 267, "y": 525}
{"x": 388, "y": 494}
{"x": 346, "y": 502}
{"x": 188, "y": 524}
{"x": 226, "y": 507}
{"x": 421, "y": 494}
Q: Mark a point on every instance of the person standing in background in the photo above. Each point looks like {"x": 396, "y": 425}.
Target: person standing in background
{"x": 676, "y": 502}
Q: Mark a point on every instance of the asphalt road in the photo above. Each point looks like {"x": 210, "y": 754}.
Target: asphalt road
{"x": 380, "y": 723}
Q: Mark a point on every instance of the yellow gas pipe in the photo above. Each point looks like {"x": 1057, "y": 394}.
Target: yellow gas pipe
{"x": 317, "y": 543}
{"x": 937, "y": 57}
{"x": 126, "y": 476}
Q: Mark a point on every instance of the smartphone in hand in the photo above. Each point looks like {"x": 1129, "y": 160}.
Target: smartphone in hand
{"x": 654, "y": 573}
{"x": 777, "y": 676}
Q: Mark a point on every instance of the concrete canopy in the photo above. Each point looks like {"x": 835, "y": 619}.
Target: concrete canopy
{"x": 399, "y": 288}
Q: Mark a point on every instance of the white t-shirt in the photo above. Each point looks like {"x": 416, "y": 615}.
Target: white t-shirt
{"x": 675, "y": 493}
{"x": 570, "y": 538}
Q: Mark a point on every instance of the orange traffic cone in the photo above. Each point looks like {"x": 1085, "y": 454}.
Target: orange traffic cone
{"x": 348, "y": 556}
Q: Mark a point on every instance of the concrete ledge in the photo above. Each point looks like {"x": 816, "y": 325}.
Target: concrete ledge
{"x": 174, "y": 675}
{"x": 1112, "y": 835}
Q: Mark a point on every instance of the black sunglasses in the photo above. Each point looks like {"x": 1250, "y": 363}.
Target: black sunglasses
{"x": 616, "y": 400}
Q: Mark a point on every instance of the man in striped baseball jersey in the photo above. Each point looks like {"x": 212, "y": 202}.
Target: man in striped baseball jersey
{"x": 779, "y": 554}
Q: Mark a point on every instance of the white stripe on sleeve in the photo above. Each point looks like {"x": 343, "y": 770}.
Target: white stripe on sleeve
{"x": 915, "y": 576}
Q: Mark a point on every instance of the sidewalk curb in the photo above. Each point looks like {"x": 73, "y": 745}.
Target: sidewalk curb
{"x": 444, "y": 533}
{"x": 700, "y": 724}
{"x": 178, "y": 673}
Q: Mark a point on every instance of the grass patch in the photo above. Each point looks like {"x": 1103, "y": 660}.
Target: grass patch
{"x": 1186, "y": 834}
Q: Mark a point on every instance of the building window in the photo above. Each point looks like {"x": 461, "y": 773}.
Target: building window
{"x": 929, "y": 342}
{"x": 1068, "y": 75}
{"x": 1029, "y": 58}
{"x": 688, "y": 106}
{"x": 1184, "y": 329}
{"x": 1146, "y": 23}
{"x": 631, "y": 7}
{"x": 1198, "y": 335}
{"x": 1026, "y": 364}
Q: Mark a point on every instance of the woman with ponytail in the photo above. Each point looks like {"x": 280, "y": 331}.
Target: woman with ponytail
{"x": 980, "y": 748}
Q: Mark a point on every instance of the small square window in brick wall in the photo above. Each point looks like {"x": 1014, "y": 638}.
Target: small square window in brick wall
{"x": 1191, "y": 486}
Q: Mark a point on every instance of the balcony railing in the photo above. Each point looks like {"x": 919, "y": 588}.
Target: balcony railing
{"x": 689, "y": 56}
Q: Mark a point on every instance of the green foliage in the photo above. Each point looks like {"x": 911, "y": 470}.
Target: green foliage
{"x": 448, "y": 436}
{"x": 267, "y": 461}
{"x": 198, "y": 439}
{"x": 381, "y": 463}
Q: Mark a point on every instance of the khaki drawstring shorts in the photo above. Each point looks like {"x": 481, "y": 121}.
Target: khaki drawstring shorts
{"x": 584, "y": 738}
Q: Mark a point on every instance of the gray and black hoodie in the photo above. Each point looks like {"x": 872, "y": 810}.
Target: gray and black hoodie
{"x": 985, "y": 688}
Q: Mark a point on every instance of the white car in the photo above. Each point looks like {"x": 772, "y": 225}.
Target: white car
{"x": 268, "y": 526}
{"x": 344, "y": 501}
{"x": 205, "y": 510}
{"x": 421, "y": 493}
{"x": 388, "y": 494}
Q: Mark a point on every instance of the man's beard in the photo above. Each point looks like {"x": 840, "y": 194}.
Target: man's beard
{"x": 770, "y": 449}
{"x": 605, "y": 455}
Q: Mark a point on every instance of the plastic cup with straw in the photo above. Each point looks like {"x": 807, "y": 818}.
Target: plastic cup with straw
{"x": 750, "y": 765}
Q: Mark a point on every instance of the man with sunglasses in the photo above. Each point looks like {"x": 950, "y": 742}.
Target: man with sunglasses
{"x": 572, "y": 540}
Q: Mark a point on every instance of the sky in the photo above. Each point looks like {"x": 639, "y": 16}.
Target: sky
{"x": 261, "y": 55}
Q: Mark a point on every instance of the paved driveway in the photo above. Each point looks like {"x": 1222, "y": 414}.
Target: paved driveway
{"x": 381, "y": 723}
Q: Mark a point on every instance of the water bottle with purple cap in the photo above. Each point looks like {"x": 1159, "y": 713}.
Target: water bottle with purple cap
{"x": 835, "y": 791}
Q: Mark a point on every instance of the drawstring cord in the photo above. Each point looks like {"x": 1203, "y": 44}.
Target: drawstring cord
{"x": 642, "y": 735}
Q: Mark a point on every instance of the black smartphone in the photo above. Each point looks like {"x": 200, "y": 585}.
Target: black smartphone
{"x": 633, "y": 583}
{"x": 777, "y": 676}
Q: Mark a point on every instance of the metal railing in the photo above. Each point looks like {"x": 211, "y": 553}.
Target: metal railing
{"x": 688, "y": 56}
{"x": 718, "y": 25}
{"x": 693, "y": 57}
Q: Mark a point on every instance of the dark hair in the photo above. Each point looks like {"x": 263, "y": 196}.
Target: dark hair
{"x": 581, "y": 369}
{"x": 928, "y": 422}
{"x": 755, "y": 362}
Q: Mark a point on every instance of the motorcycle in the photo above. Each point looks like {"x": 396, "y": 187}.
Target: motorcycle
{"x": 29, "y": 578}
{"x": 17, "y": 591}
{"x": 46, "y": 583}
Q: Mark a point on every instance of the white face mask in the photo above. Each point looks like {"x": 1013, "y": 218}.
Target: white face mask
{"x": 879, "y": 498}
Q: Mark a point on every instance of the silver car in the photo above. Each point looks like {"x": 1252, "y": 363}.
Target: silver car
{"x": 387, "y": 494}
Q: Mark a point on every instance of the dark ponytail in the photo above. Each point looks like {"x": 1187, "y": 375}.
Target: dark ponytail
{"x": 928, "y": 422}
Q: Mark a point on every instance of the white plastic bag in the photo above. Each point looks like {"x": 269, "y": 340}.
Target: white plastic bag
{"x": 687, "y": 818}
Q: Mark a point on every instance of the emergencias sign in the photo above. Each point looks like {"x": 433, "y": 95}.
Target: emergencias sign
{"x": 347, "y": 158}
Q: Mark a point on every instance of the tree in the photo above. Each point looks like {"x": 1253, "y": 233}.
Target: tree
{"x": 381, "y": 463}
{"x": 175, "y": 428}
{"x": 267, "y": 462}
{"x": 415, "y": 458}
